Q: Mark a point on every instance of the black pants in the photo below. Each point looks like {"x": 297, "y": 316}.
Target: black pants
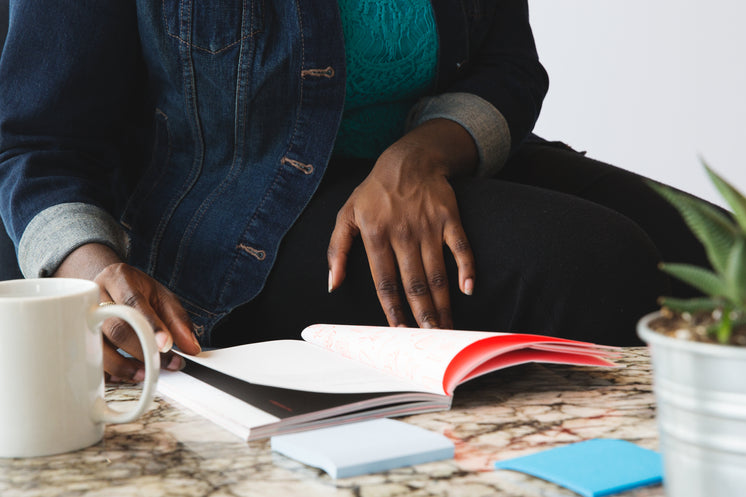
{"x": 564, "y": 245}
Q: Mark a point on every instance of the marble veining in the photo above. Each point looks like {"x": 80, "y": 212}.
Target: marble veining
{"x": 171, "y": 451}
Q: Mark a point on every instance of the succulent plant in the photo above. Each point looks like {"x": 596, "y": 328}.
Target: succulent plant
{"x": 724, "y": 240}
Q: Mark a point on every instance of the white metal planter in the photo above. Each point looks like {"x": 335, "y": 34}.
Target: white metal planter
{"x": 700, "y": 391}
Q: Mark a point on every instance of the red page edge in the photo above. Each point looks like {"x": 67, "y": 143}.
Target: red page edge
{"x": 477, "y": 354}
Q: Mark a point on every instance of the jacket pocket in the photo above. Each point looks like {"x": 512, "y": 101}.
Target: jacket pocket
{"x": 212, "y": 26}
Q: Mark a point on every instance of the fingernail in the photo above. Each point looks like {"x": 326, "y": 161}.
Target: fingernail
{"x": 115, "y": 379}
{"x": 469, "y": 286}
{"x": 164, "y": 341}
{"x": 177, "y": 363}
{"x": 139, "y": 375}
{"x": 196, "y": 344}
{"x": 330, "y": 281}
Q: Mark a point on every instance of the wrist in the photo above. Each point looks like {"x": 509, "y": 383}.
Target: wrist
{"x": 446, "y": 146}
{"x": 87, "y": 261}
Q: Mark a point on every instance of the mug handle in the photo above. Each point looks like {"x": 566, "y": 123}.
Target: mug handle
{"x": 102, "y": 412}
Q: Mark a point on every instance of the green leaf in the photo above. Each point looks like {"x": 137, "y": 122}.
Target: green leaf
{"x": 699, "y": 304}
{"x": 735, "y": 275}
{"x": 724, "y": 328}
{"x": 735, "y": 199}
{"x": 702, "y": 279}
{"x": 713, "y": 228}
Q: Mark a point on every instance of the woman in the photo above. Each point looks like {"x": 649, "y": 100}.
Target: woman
{"x": 241, "y": 169}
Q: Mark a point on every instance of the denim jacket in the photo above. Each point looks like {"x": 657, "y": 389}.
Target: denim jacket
{"x": 189, "y": 135}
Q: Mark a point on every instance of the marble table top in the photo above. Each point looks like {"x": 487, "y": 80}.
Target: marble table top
{"x": 171, "y": 451}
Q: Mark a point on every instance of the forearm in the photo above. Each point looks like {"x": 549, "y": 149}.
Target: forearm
{"x": 485, "y": 125}
{"x": 66, "y": 108}
{"x": 446, "y": 147}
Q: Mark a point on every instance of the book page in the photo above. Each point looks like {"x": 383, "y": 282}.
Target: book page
{"x": 415, "y": 354}
{"x": 439, "y": 360}
{"x": 299, "y": 365}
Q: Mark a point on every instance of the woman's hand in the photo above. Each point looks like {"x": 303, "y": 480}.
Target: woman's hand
{"x": 123, "y": 284}
{"x": 405, "y": 211}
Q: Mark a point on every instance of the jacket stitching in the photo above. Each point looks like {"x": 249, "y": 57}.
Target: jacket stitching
{"x": 240, "y": 120}
{"x": 191, "y": 104}
{"x": 232, "y": 173}
{"x": 214, "y": 52}
{"x": 198, "y": 47}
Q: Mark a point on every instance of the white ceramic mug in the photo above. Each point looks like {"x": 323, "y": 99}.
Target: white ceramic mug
{"x": 51, "y": 366}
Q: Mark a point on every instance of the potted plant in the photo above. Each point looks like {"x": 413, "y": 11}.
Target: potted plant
{"x": 698, "y": 350}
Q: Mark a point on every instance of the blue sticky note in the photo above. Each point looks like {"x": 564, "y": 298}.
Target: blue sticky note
{"x": 594, "y": 467}
{"x": 365, "y": 447}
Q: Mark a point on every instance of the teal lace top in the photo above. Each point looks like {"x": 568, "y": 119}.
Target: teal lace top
{"x": 391, "y": 50}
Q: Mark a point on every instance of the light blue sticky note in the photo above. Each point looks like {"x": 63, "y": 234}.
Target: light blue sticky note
{"x": 594, "y": 467}
{"x": 365, "y": 447}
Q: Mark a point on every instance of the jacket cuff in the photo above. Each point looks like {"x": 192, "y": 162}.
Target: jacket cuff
{"x": 56, "y": 231}
{"x": 481, "y": 119}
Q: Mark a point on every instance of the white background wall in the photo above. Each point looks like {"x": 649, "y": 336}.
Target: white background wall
{"x": 648, "y": 85}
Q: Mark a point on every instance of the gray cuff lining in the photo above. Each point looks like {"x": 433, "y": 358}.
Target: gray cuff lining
{"x": 56, "y": 231}
{"x": 481, "y": 119}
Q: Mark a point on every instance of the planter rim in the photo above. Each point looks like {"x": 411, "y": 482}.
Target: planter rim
{"x": 711, "y": 349}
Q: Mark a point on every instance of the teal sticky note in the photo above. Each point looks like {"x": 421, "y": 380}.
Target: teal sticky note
{"x": 365, "y": 447}
{"x": 594, "y": 467}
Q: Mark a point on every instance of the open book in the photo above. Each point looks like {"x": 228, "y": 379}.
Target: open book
{"x": 341, "y": 373}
